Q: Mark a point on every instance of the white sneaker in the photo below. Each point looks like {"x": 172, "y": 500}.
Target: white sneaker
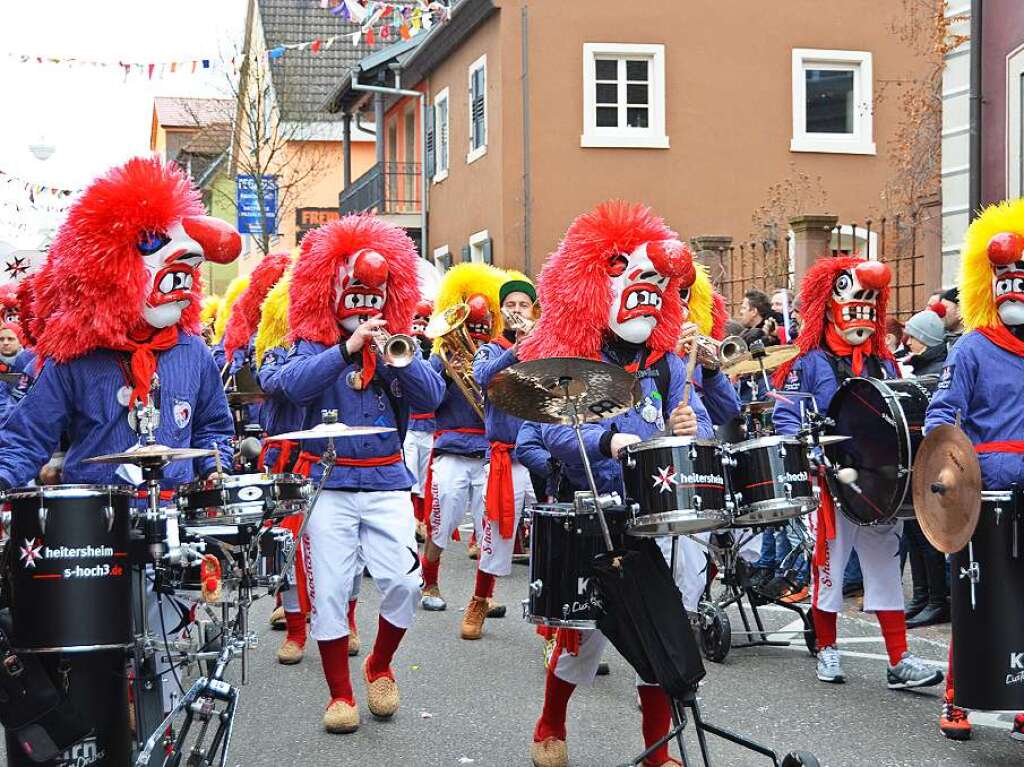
{"x": 829, "y": 669}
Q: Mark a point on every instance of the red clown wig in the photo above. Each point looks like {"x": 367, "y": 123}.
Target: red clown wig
{"x": 26, "y": 309}
{"x": 325, "y": 250}
{"x": 574, "y": 288}
{"x": 92, "y": 289}
{"x": 9, "y": 297}
{"x": 815, "y": 292}
{"x": 245, "y": 314}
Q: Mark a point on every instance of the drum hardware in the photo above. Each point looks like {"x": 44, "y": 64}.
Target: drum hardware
{"x": 972, "y": 571}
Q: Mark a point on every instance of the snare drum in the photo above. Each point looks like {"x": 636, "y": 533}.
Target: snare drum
{"x": 70, "y": 575}
{"x": 771, "y": 480}
{"x": 243, "y": 499}
{"x": 676, "y": 486}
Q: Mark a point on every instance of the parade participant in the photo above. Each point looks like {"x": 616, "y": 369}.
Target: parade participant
{"x": 843, "y": 301}
{"x": 13, "y": 359}
{"x": 509, "y": 488}
{"x": 120, "y": 300}
{"x": 355, "y": 279}
{"x": 240, "y": 329}
{"x": 611, "y": 291}
{"x": 979, "y": 387}
{"x": 457, "y": 468}
{"x": 235, "y": 289}
{"x": 9, "y": 302}
{"x": 420, "y": 438}
{"x": 208, "y": 316}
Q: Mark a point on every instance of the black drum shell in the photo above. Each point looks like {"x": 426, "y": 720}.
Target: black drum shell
{"x": 563, "y": 545}
{"x": 76, "y": 603}
{"x": 242, "y": 498}
{"x": 988, "y": 639}
{"x": 759, "y": 471}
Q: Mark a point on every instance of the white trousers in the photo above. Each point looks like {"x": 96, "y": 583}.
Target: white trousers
{"x": 878, "y": 547}
{"x": 290, "y": 594}
{"x": 416, "y": 450}
{"x": 459, "y": 484}
{"x": 690, "y": 573}
{"x": 346, "y": 530}
{"x": 495, "y": 551}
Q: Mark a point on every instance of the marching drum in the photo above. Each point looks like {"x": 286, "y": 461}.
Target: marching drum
{"x": 883, "y": 420}
{"x": 563, "y": 544}
{"x": 988, "y": 615}
{"x": 771, "y": 480}
{"x": 242, "y": 499}
{"x": 69, "y": 571}
{"x": 675, "y": 485}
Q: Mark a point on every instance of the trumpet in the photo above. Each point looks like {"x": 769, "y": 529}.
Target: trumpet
{"x": 519, "y": 324}
{"x": 713, "y": 354}
{"x": 397, "y": 350}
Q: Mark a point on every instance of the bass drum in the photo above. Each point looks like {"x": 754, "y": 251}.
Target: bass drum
{"x": 883, "y": 420}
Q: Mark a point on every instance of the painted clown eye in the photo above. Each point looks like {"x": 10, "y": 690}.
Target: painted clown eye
{"x": 843, "y": 283}
{"x": 617, "y": 265}
{"x": 151, "y": 242}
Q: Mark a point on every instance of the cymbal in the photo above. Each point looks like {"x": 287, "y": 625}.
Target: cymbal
{"x": 831, "y": 439}
{"x": 245, "y": 397}
{"x": 746, "y": 364}
{"x": 947, "y": 488}
{"x": 757, "y": 407}
{"x": 551, "y": 390}
{"x": 336, "y": 430}
{"x": 152, "y": 454}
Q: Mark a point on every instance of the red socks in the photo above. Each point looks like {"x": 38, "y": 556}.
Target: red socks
{"x": 824, "y": 627}
{"x": 484, "y": 584}
{"x": 334, "y": 656}
{"x": 296, "y": 625}
{"x": 351, "y": 615}
{"x": 429, "y": 570}
{"x": 388, "y": 638}
{"x": 656, "y": 719}
{"x": 894, "y": 630}
{"x": 552, "y": 717}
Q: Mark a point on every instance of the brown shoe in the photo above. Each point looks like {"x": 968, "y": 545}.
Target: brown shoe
{"x": 473, "y": 618}
{"x": 353, "y": 640}
{"x": 340, "y": 717}
{"x": 382, "y": 696}
{"x": 290, "y": 653}
{"x": 474, "y": 551}
{"x": 277, "y": 621}
{"x": 550, "y": 752}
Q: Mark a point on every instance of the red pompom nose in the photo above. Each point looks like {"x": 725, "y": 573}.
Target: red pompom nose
{"x": 673, "y": 258}
{"x": 424, "y": 308}
{"x": 370, "y": 268}
{"x": 219, "y": 241}
{"x": 1005, "y": 248}
{"x": 478, "y": 308}
{"x": 873, "y": 275}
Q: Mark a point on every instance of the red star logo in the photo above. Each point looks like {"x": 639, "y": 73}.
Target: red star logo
{"x": 665, "y": 479}
{"x": 31, "y": 551}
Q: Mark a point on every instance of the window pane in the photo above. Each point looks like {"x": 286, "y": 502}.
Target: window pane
{"x": 607, "y": 117}
{"x": 829, "y": 100}
{"x": 636, "y": 70}
{"x": 607, "y": 93}
{"x": 636, "y": 117}
{"x": 636, "y": 94}
{"x": 606, "y": 69}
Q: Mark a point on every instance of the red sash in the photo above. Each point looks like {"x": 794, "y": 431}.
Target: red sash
{"x": 1007, "y": 446}
{"x": 501, "y": 494}
{"x": 306, "y": 461}
{"x": 284, "y": 454}
{"x": 421, "y": 416}
{"x": 826, "y": 520}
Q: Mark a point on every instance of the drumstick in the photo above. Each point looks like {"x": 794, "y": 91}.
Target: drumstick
{"x": 691, "y": 363}
{"x": 216, "y": 458}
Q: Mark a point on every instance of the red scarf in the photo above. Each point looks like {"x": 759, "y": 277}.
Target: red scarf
{"x": 1004, "y": 339}
{"x": 844, "y": 348}
{"x": 500, "y": 498}
{"x": 143, "y": 361}
{"x": 369, "y": 365}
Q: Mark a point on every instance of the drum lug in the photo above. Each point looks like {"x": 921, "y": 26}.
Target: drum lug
{"x": 630, "y": 462}
{"x": 698, "y": 502}
{"x": 782, "y": 450}
{"x": 789, "y": 491}
{"x": 693, "y": 452}
{"x": 902, "y": 471}
{"x": 536, "y": 587}
{"x": 43, "y": 511}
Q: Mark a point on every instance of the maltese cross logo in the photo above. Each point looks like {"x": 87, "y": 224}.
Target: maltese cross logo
{"x": 31, "y": 551}
{"x": 665, "y": 479}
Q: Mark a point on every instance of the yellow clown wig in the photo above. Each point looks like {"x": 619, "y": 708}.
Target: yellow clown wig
{"x": 208, "y": 313}
{"x": 977, "y": 301}
{"x": 235, "y": 288}
{"x": 469, "y": 279}
{"x": 273, "y": 329}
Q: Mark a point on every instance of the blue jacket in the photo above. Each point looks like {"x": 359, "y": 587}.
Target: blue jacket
{"x": 718, "y": 395}
{"x": 455, "y": 412}
{"x": 491, "y": 359}
{"x": 811, "y": 378}
{"x": 531, "y": 450}
{"x": 277, "y": 413}
{"x": 12, "y": 393}
{"x": 314, "y": 378}
{"x": 80, "y": 398}
{"x": 419, "y": 422}
{"x": 982, "y": 382}
{"x": 561, "y": 440}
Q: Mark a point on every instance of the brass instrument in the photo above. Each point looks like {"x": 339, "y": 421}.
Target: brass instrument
{"x": 519, "y": 324}
{"x": 713, "y": 354}
{"x": 731, "y": 349}
{"x": 397, "y": 350}
{"x": 456, "y": 350}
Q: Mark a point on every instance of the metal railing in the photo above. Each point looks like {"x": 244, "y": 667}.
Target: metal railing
{"x": 764, "y": 266}
{"x": 389, "y": 187}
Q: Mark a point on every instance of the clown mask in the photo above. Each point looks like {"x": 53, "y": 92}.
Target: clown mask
{"x": 362, "y": 289}
{"x": 1006, "y": 255}
{"x": 171, "y": 258}
{"x": 421, "y": 318}
{"x": 637, "y": 291}
{"x": 480, "y": 322}
{"x": 853, "y": 305}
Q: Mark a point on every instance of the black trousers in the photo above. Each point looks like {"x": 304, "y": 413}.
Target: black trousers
{"x": 927, "y": 564}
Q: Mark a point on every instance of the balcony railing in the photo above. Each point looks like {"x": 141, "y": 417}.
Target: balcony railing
{"x": 389, "y": 187}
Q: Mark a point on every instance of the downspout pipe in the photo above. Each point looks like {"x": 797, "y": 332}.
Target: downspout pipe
{"x": 974, "y": 150}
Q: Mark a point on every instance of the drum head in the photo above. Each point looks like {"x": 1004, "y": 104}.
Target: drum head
{"x": 867, "y": 411}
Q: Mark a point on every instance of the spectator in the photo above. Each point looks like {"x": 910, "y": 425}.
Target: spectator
{"x": 782, "y": 307}
{"x": 755, "y": 315}
{"x": 926, "y": 340}
{"x": 733, "y": 328}
{"x": 954, "y": 324}
{"x": 894, "y": 336}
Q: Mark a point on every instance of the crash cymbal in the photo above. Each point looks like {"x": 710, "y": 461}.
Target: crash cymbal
{"x": 947, "y": 488}
{"x": 747, "y": 363}
{"x": 551, "y": 390}
{"x": 245, "y": 397}
{"x": 336, "y": 430}
{"x": 151, "y": 454}
{"x": 831, "y": 439}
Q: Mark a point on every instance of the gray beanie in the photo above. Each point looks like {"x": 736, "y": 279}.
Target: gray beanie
{"x": 927, "y": 327}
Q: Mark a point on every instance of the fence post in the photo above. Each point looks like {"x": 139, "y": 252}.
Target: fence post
{"x": 706, "y": 249}
{"x": 812, "y": 233}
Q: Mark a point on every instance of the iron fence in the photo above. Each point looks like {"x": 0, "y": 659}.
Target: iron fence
{"x": 765, "y": 265}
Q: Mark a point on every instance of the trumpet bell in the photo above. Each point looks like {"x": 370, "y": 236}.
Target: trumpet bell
{"x": 444, "y": 323}
{"x": 731, "y": 348}
{"x": 399, "y": 350}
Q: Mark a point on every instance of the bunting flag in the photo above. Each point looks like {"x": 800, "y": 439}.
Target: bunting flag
{"x": 152, "y": 70}
{"x": 38, "y": 194}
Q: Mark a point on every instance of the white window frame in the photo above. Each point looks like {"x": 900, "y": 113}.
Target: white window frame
{"x": 480, "y": 151}
{"x": 651, "y": 137}
{"x": 862, "y": 140}
{"x": 1014, "y": 107}
{"x": 440, "y": 253}
{"x": 476, "y": 241}
{"x": 439, "y": 173}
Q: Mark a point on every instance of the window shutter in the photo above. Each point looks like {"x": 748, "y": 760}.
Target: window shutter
{"x": 479, "y": 89}
{"x": 466, "y": 254}
{"x": 487, "y": 248}
{"x": 428, "y": 141}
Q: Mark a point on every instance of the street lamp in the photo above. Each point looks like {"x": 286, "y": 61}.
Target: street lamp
{"x": 42, "y": 150}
